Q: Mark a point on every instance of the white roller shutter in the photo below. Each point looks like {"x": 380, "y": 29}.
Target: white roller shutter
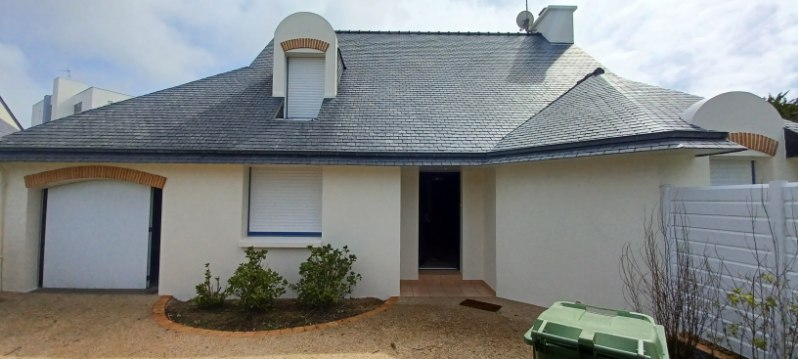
{"x": 727, "y": 172}
{"x": 305, "y": 87}
{"x": 285, "y": 201}
{"x": 97, "y": 235}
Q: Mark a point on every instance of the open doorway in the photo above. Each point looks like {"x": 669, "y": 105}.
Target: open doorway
{"x": 439, "y": 220}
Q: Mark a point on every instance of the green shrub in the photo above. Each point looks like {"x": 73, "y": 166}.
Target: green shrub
{"x": 209, "y": 296}
{"x": 326, "y": 277}
{"x": 255, "y": 286}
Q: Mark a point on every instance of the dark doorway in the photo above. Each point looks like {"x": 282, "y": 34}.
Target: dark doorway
{"x": 155, "y": 238}
{"x": 439, "y": 220}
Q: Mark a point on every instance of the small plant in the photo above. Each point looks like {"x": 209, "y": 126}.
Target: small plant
{"x": 209, "y": 295}
{"x": 326, "y": 277}
{"x": 255, "y": 286}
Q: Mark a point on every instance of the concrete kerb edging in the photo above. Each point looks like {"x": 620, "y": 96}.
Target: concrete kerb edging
{"x": 159, "y": 315}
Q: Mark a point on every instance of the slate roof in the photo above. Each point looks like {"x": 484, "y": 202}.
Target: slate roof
{"x": 404, "y": 98}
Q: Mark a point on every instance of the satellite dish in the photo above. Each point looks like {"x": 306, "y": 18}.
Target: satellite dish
{"x": 525, "y": 20}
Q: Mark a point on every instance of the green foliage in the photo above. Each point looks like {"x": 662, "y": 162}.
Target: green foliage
{"x": 788, "y": 109}
{"x": 255, "y": 286}
{"x": 759, "y": 308}
{"x": 209, "y": 295}
{"x": 326, "y": 277}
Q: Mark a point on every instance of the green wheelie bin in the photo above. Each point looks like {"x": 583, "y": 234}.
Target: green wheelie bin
{"x": 573, "y": 330}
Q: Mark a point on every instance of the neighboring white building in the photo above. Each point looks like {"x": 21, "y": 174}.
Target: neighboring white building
{"x": 8, "y": 122}
{"x": 70, "y": 97}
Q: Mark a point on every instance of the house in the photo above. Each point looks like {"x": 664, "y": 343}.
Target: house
{"x": 517, "y": 159}
{"x": 8, "y": 122}
{"x": 70, "y": 97}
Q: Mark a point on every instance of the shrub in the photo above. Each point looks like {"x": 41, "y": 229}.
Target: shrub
{"x": 673, "y": 294}
{"x": 209, "y": 296}
{"x": 255, "y": 286}
{"x": 326, "y": 277}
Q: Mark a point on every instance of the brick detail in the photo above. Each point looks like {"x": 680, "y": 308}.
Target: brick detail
{"x": 159, "y": 315}
{"x": 77, "y": 173}
{"x": 755, "y": 142}
{"x": 305, "y": 43}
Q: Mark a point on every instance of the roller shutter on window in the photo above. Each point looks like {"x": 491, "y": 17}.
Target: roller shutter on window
{"x": 727, "y": 172}
{"x": 285, "y": 201}
{"x": 305, "y": 87}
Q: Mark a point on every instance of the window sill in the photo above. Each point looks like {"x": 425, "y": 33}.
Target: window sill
{"x": 279, "y": 242}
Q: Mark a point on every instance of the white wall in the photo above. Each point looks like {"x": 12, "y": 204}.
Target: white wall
{"x": 305, "y": 25}
{"x": 473, "y": 223}
{"x": 361, "y": 209}
{"x": 561, "y": 225}
{"x": 37, "y": 113}
{"x": 489, "y": 255}
{"x": 409, "y": 219}
{"x": 745, "y": 112}
{"x": 100, "y": 98}
{"x": 203, "y": 220}
{"x": 63, "y": 91}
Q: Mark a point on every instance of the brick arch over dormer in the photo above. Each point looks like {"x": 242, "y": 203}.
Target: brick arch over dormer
{"x": 85, "y": 173}
{"x": 305, "y": 43}
{"x": 755, "y": 142}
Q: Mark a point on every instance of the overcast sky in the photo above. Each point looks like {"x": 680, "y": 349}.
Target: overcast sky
{"x": 702, "y": 47}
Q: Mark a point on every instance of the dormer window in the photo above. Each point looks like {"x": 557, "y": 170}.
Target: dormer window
{"x": 305, "y": 90}
{"x": 306, "y": 65}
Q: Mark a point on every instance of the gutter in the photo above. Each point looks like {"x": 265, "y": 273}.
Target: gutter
{"x": 237, "y": 156}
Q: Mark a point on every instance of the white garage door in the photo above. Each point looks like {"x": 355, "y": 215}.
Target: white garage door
{"x": 97, "y": 236}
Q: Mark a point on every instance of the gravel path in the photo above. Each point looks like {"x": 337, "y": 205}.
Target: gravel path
{"x": 120, "y": 325}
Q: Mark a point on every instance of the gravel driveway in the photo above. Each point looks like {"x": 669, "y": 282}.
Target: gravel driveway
{"x": 120, "y": 325}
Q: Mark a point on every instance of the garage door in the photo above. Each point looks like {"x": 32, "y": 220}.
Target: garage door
{"x": 96, "y": 235}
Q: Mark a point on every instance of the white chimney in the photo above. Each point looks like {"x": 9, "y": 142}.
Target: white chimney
{"x": 556, "y": 24}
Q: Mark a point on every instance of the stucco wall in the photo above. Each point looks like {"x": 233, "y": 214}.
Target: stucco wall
{"x": 561, "y": 225}
{"x": 409, "y": 231}
{"x": 473, "y": 223}
{"x": 361, "y": 208}
{"x": 305, "y": 25}
{"x": 203, "y": 221}
{"x": 489, "y": 255}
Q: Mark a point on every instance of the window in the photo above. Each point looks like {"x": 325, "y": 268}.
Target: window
{"x": 285, "y": 202}
{"x": 727, "y": 172}
{"x": 78, "y": 107}
{"x": 305, "y": 87}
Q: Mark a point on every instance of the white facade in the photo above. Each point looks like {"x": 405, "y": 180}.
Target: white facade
{"x": 70, "y": 97}
{"x": 204, "y": 221}
{"x": 535, "y": 232}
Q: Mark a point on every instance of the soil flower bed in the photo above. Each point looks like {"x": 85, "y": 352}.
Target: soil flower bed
{"x": 286, "y": 313}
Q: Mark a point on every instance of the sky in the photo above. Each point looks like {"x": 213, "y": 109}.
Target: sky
{"x": 703, "y": 47}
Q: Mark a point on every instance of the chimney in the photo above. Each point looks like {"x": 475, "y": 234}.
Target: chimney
{"x": 556, "y": 24}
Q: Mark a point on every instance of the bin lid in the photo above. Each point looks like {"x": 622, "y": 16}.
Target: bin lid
{"x": 620, "y": 333}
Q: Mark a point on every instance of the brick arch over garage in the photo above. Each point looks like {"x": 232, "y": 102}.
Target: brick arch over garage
{"x": 85, "y": 173}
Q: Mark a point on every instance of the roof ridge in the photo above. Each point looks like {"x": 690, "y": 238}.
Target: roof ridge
{"x": 413, "y": 32}
{"x": 597, "y": 72}
{"x": 617, "y": 81}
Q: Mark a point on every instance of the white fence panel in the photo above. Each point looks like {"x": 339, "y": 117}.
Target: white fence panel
{"x": 738, "y": 229}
